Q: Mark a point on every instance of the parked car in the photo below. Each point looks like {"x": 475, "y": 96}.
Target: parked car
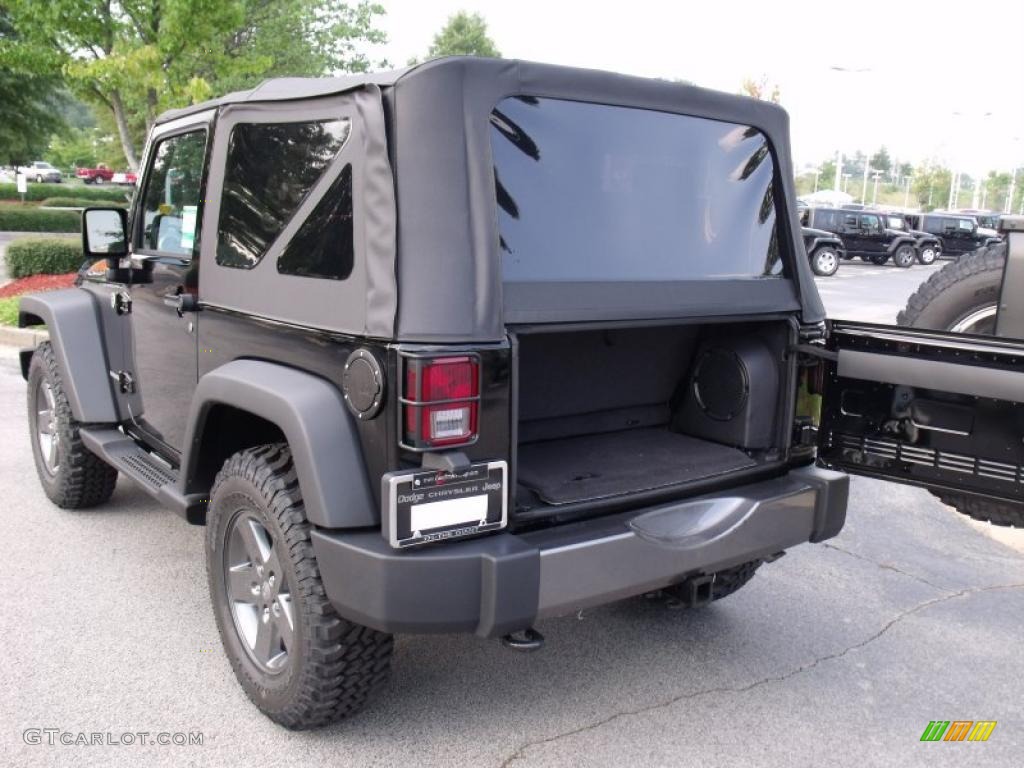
{"x": 987, "y": 220}
{"x": 864, "y": 234}
{"x": 41, "y": 172}
{"x": 98, "y": 175}
{"x": 929, "y": 247}
{"x": 824, "y": 251}
{"x": 124, "y": 177}
{"x": 586, "y": 367}
{"x": 958, "y": 233}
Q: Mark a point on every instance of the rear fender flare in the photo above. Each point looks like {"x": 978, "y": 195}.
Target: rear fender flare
{"x": 311, "y": 414}
{"x": 72, "y": 318}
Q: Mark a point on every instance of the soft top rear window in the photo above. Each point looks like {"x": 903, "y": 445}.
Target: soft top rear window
{"x": 591, "y": 192}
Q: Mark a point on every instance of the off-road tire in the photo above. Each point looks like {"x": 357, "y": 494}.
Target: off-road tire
{"x": 726, "y": 581}
{"x": 986, "y": 510}
{"x": 334, "y": 664}
{"x": 960, "y": 288}
{"x": 830, "y": 266}
{"x": 904, "y": 256}
{"x": 81, "y": 479}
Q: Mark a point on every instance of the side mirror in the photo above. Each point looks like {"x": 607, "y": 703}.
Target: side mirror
{"x": 105, "y": 234}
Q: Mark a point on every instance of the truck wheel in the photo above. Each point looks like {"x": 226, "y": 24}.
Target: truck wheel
{"x": 298, "y": 661}
{"x": 824, "y": 261}
{"x": 904, "y": 256}
{"x": 961, "y": 297}
{"x": 878, "y": 259}
{"x": 72, "y": 477}
{"x": 928, "y": 255}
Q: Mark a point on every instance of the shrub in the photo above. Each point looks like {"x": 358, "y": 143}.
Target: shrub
{"x": 81, "y": 202}
{"x": 29, "y": 219}
{"x": 37, "y": 192}
{"x": 43, "y": 256}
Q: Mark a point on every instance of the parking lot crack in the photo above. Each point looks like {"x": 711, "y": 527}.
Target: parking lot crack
{"x": 520, "y": 751}
{"x": 885, "y": 566}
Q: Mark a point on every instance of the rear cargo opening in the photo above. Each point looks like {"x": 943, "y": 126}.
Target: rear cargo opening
{"x": 617, "y": 417}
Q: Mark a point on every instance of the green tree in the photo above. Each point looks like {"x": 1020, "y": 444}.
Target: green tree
{"x": 135, "y": 58}
{"x": 931, "y": 186}
{"x": 880, "y": 161}
{"x": 30, "y": 106}
{"x": 465, "y": 34}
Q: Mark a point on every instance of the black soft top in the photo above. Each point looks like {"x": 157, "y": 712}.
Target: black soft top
{"x": 445, "y": 283}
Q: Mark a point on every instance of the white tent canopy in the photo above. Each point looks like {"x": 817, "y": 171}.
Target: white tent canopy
{"x": 827, "y": 197}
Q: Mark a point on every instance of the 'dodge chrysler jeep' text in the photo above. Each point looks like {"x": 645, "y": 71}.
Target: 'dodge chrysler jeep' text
{"x": 468, "y": 345}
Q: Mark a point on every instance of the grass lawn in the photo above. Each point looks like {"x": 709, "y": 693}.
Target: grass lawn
{"x": 9, "y": 311}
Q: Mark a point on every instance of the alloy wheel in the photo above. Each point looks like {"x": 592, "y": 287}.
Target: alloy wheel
{"x": 981, "y": 321}
{"x": 258, "y": 593}
{"x": 46, "y": 427}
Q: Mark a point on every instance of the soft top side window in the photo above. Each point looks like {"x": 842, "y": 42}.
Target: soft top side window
{"x": 173, "y": 195}
{"x": 270, "y": 169}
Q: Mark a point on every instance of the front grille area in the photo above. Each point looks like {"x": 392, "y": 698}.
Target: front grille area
{"x": 875, "y": 451}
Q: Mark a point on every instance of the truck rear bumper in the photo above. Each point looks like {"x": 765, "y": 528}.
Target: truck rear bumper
{"x": 504, "y": 582}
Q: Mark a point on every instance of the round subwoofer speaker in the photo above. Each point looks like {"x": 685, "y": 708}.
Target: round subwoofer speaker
{"x": 721, "y": 384}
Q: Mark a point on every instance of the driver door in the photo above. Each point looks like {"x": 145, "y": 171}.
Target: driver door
{"x": 925, "y": 408}
{"x": 165, "y": 282}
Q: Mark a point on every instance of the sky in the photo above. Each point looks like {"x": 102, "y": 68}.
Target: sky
{"x": 930, "y": 81}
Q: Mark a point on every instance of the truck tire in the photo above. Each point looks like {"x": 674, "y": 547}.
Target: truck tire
{"x": 298, "y": 661}
{"x": 928, "y": 255}
{"x": 961, "y": 297}
{"x": 824, "y": 261}
{"x": 72, "y": 477}
{"x": 904, "y": 256}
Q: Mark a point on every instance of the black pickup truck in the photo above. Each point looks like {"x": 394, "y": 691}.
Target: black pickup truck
{"x": 464, "y": 346}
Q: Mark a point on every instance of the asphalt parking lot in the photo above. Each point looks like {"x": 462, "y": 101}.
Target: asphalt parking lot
{"x": 836, "y": 654}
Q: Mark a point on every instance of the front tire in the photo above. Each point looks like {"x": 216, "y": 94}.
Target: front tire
{"x": 298, "y": 661}
{"x": 72, "y": 477}
{"x": 824, "y": 261}
{"x": 904, "y": 257}
{"x": 928, "y": 255}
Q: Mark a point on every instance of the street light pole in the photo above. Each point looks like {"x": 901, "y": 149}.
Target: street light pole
{"x": 864, "y": 188}
{"x": 839, "y": 168}
{"x": 906, "y": 195}
{"x": 1009, "y": 197}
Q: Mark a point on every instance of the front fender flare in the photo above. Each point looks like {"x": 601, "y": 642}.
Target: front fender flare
{"x": 72, "y": 318}
{"x": 320, "y": 432}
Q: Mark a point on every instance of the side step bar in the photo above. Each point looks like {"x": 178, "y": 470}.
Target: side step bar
{"x": 151, "y": 474}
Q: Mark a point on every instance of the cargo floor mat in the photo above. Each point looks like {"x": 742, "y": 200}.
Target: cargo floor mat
{"x": 601, "y": 466}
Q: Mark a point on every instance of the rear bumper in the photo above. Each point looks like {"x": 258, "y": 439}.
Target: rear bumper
{"x": 504, "y": 582}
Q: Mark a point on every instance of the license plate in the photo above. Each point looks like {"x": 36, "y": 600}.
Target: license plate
{"x": 433, "y": 505}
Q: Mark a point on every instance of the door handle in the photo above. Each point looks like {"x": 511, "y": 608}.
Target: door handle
{"x": 182, "y": 302}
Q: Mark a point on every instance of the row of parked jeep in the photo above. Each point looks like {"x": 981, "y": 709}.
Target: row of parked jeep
{"x": 877, "y": 235}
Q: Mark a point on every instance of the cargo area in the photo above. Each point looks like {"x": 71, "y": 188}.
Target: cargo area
{"x": 617, "y": 416}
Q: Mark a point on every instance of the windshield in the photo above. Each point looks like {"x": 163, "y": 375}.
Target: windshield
{"x": 590, "y": 192}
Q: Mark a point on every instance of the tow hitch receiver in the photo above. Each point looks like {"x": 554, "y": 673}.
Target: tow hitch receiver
{"x": 696, "y": 591}
{"x": 527, "y": 640}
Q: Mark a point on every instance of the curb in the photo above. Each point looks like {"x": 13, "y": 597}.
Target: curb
{"x": 21, "y": 337}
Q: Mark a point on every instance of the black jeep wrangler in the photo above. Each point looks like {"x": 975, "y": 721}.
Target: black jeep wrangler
{"x": 476, "y": 343}
{"x": 864, "y": 233}
{"x": 958, "y": 233}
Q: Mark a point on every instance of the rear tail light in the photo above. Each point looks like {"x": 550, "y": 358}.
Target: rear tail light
{"x": 440, "y": 399}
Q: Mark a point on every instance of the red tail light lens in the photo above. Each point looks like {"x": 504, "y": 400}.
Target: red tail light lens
{"x": 440, "y": 401}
